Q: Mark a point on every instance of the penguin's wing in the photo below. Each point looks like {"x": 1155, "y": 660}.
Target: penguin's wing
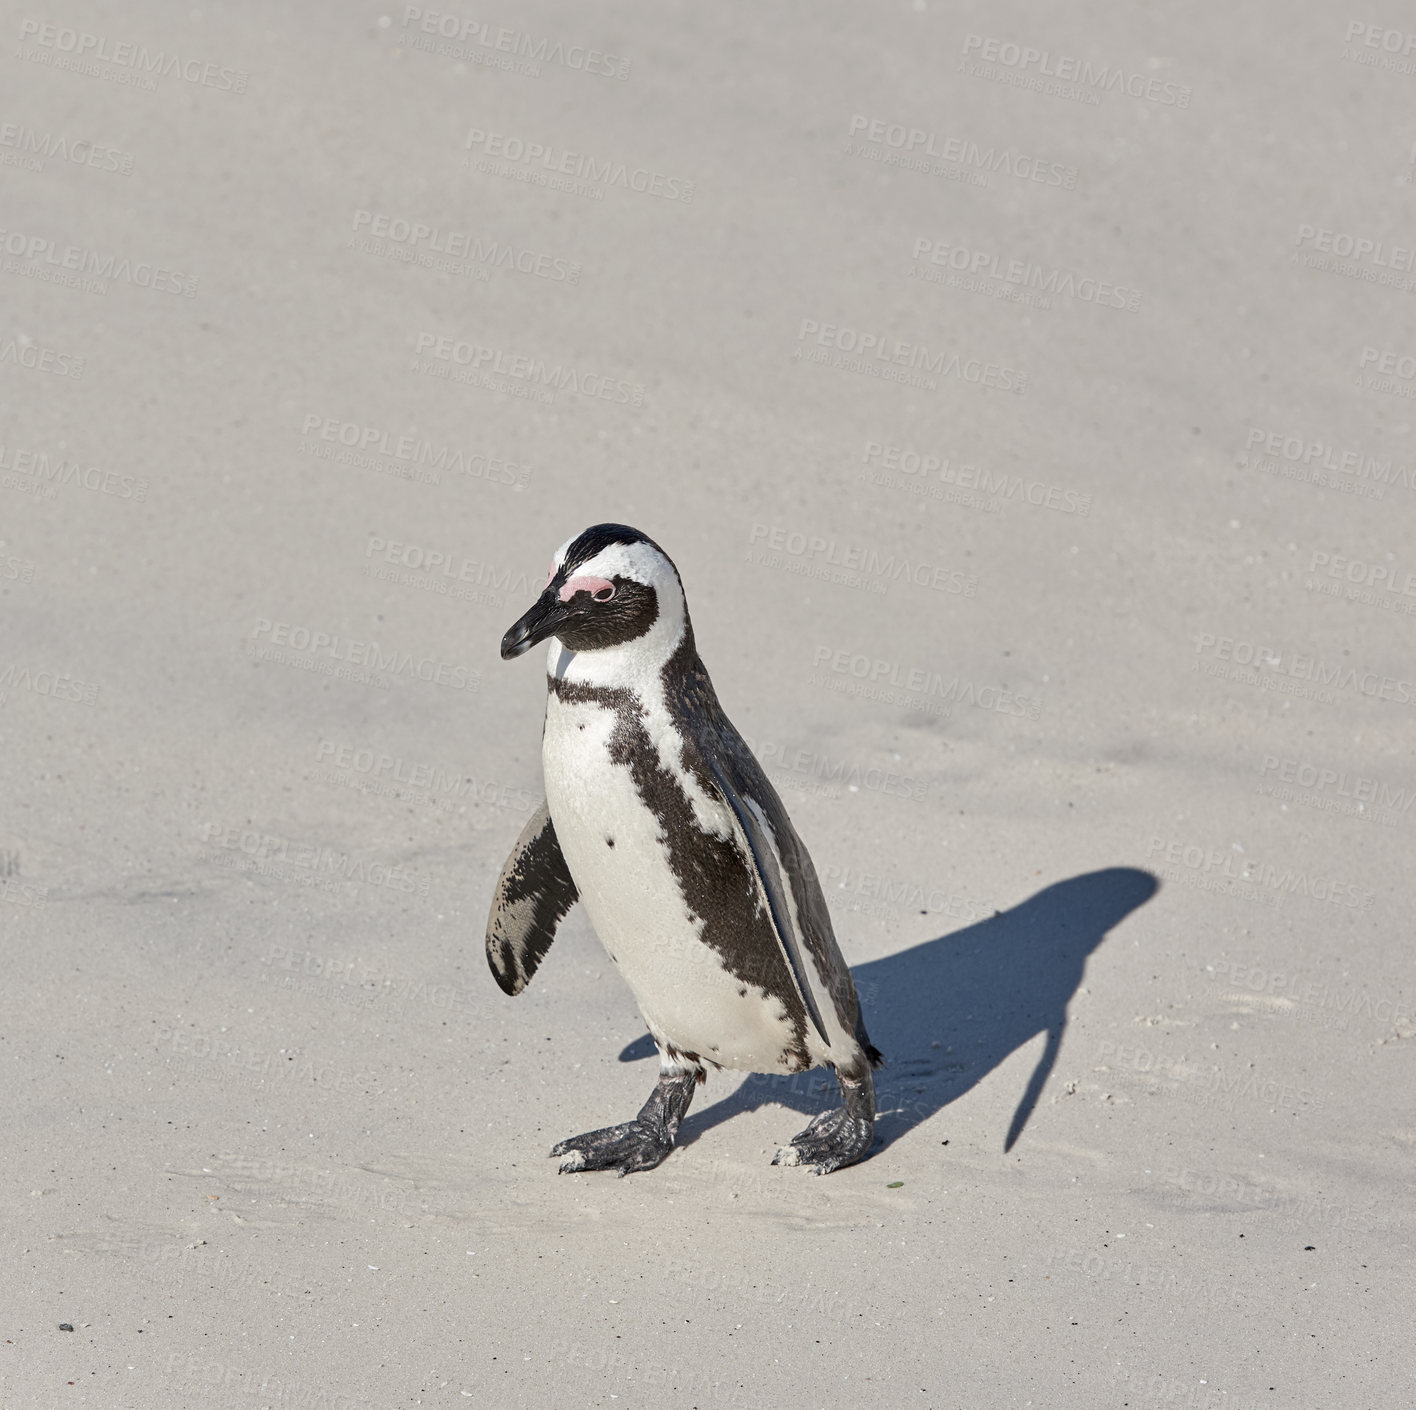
{"x": 783, "y": 866}
{"x": 533, "y": 893}
{"x": 749, "y": 814}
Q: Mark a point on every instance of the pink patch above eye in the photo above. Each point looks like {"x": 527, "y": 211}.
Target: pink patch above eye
{"x": 550, "y": 575}
{"x": 601, "y": 589}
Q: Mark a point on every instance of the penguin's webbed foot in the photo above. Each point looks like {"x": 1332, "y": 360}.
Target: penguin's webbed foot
{"x": 640, "y": 1144}
{"x": 839, "y": 1137}
{"x": 626, "y": 1148}
{"x": 835, "y": 1138}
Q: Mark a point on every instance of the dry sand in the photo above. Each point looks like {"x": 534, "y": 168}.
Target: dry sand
{"x": 1033, "y": 434}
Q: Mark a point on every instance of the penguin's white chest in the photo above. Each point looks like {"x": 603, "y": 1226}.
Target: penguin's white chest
{"x": 615, "y": 848}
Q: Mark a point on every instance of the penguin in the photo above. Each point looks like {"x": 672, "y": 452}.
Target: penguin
{"x": 660, "y": 821}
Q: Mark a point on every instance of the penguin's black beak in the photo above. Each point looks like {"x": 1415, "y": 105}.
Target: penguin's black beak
{"x": 545, "y": 617}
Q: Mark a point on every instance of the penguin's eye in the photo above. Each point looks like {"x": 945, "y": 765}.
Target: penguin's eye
{"x": 604, "y": 594}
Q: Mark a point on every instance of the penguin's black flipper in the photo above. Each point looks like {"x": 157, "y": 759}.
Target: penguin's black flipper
{"x": 749, "y": 814}
{"x": 719, "y": 756}
{"x": 533, "y": 894}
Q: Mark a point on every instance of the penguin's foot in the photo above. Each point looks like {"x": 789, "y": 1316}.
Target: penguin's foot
{"x": 626, "y": 1148}
{"x": 640, "y": 1144}
{"x": 836, "y": 1138}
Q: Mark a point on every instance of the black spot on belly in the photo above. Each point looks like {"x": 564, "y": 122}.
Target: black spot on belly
{"x": 742, "y": 993}
{"x": 609, "y": 842}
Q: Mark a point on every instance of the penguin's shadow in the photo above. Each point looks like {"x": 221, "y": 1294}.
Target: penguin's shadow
{"x": 948, "y": 1011}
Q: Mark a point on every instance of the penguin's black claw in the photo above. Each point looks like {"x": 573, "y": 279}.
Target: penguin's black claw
{"x": 839, "y": 1137}
{"x": 626, "y": 1148}
{"x": 833, "y": 1140}
{"x": 640, "y": 1144}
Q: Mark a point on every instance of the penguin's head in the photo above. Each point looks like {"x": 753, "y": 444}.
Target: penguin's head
{"x": 610, "y": 590}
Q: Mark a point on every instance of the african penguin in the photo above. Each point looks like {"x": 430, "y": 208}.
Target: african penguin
{"x": 660, "y": 820}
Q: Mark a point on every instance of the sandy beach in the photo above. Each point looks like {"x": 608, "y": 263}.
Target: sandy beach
{"x": 1026, "y": 401}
